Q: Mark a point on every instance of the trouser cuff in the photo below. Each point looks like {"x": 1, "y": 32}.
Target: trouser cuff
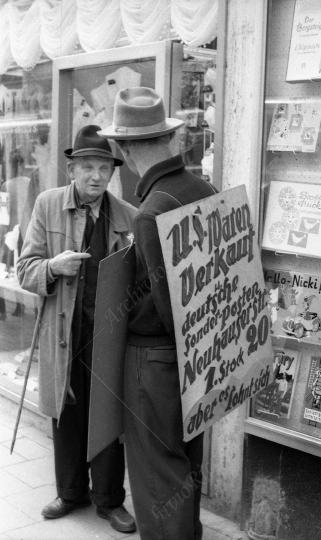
{"x": 73, "y": 493}
{"x": 113, "y": 499}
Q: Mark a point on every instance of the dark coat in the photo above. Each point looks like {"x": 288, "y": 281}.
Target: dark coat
{"x": 164, "y": 187}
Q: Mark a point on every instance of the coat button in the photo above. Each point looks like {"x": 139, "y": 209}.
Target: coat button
{"x": 81, "y": 277}
{"x": 63, "y": 344}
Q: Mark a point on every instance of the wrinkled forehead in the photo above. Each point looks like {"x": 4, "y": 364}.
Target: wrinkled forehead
{"x": 94, "y": 160}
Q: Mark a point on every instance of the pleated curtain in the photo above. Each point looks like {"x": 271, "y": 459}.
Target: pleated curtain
{"x": 30, "y": 29}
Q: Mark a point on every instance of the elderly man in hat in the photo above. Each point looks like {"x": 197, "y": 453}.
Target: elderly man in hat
{"x": 162, "y": 467}
{"x": 72, "y": 229}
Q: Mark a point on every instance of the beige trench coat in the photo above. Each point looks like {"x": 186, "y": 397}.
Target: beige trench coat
{"x": 51, "y": 231}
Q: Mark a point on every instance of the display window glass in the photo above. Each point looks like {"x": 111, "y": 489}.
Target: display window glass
{"x": 39, "y": 120}
{"x": 197, "y": 109}
{"x": 94, "y": 89}
{"x": 185, "y": 77}
{"x": 289, "y": 409}
{"x": 25, "y": 124}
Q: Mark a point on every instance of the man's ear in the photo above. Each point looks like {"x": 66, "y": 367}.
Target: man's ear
{"x": 70, "y": 169}
{"x": 123, "y": 147}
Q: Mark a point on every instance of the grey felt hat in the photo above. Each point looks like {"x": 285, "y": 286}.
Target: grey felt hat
{"x": 139, "y": 114}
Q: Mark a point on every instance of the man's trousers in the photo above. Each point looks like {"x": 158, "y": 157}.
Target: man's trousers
{"x": 164, "y": 472}
{"x": 107, "y": 469}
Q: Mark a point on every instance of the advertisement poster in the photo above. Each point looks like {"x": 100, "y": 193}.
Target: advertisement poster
{"x": 305, "y": 50}
{"x": 294, "y": 303}
{"x": 295, "y": 127}
{"x": 219, "y": 306}
{"x": 311, "y": 413}
{"x": 293, "y": 217}
{"x": 275, "y": 401}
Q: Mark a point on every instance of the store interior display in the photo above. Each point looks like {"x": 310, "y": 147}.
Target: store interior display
{"x": 198, "y": 112}
{"x": 293, "y": 397}
{"x": 100, "y": 109}
{"x": 93, "y": 103}
{"x": 25, "y": 121}
{"x": 290, "y": 227}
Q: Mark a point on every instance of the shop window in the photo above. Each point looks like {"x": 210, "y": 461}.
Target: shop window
{"x": 289, "y": 409}
{"x": 84, "y": 93}
{"x": 25, "y": 123}
{"x": 185, "y": 77}
{"x": 198, "y": 110}
{"x": 94, "y": 89}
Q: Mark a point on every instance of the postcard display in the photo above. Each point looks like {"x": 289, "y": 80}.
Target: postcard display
{"x": 291, "y": 226}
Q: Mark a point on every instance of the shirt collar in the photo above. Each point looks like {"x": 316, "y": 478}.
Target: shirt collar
{"x": 118, "y": 221}
{"x": 94, "y": 206}
{"x": 72, "y": 201}
{"x": 153, "y": 174}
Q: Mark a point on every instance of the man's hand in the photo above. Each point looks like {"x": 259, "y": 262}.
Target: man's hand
{"x": 67, "y": 263}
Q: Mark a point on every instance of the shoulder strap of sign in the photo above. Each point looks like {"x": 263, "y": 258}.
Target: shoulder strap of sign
{"x": 169, "y": 195}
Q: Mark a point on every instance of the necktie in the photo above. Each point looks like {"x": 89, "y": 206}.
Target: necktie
{"x": 89, "y": 225}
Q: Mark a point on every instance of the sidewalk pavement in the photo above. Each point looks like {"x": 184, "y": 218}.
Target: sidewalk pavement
{"x": 27, "y": 483}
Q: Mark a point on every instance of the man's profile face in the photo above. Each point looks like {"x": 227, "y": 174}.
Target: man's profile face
{"x": 123, "y": 147}
{"x": 91, "y": 175}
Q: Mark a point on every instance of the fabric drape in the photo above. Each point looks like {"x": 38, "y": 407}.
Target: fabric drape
{"x": 58, "y": 33}
{"x": 5, "y": 52}
{"x": 195, "y": 21}
{"x": 24, "y": 28}
{"x": 29, "y": 28}
{"x": 146, "y": 21}
{"x": 98, "y": 24}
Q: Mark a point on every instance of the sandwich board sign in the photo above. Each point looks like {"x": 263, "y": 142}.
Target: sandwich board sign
{"x": 219, "y": 304}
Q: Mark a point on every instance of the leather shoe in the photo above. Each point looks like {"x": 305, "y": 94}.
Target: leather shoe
{"x": 61, "y": 507}
{"x": 119, "y": 518}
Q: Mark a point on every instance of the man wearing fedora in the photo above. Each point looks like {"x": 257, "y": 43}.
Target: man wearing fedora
{"x": 162, "y": 467}
{"x": 72, "y": 229}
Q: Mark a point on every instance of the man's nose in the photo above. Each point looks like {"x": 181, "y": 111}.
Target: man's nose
{"x": 95, "y": 174}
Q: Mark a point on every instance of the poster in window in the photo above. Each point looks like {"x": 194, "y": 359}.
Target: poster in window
{"x": 295, "y": 127}
{"x": 311, "y": 412}
{"x": 293, "y": 219}
{"x": 294, "y": 304}
{"x": 275, "y": 401}
{"x": 304, "y": 63}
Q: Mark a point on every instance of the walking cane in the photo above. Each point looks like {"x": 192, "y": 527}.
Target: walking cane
{"x": 32, "y": 348}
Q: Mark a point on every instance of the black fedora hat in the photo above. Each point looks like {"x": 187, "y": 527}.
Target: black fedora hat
{"x": 89, "y": 143}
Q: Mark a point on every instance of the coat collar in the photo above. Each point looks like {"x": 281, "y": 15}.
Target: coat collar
{"x": 117, "y": 219}
{"x": 155, "y": 173}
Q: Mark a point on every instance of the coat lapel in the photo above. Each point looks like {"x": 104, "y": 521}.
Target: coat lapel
{"x": 118, "y": 225}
